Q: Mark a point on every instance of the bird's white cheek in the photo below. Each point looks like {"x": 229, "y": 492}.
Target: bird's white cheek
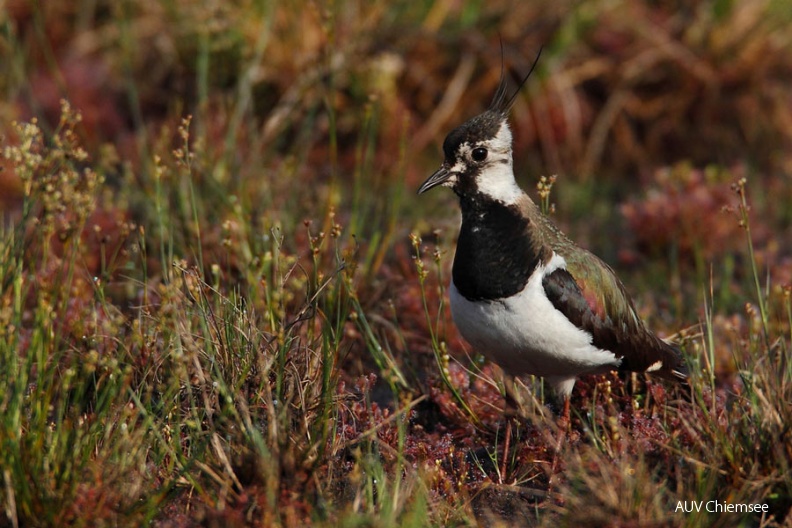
{"x": 497, "y": 182}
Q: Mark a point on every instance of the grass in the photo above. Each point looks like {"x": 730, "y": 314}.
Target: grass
{"x": 221, "y": 304}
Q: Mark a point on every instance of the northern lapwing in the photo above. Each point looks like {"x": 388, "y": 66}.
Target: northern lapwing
{"x": 522, "y": 293}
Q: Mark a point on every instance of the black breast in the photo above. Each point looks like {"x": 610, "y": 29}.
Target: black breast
{"x": 495, "y": 253}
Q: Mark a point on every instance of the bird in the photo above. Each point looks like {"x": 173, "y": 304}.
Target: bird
{"x": 522, "y": 293}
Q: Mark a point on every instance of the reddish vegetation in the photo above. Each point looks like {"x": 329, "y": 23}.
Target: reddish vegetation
{"x": 689, "y": 211}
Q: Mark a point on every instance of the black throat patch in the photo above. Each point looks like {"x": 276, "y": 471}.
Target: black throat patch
{"x": 496, "y": 253}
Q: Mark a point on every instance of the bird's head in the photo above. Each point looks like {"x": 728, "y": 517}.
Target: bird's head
{"x": 478, "y": 153}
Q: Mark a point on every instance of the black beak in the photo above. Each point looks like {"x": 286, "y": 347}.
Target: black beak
{"x": 440, "y": 175}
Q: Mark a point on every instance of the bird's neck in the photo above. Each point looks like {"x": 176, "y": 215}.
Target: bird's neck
{"x": 498, "y": 248}
{"x": 497, "y": 182}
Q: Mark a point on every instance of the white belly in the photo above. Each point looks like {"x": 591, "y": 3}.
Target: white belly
{"x": 525, "y": 334}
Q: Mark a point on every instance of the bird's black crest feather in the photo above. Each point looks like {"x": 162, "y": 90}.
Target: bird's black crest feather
{"x": 500, "y": 103}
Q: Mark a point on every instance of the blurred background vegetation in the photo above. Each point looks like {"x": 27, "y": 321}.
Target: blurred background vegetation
{"x": 216, "y": 314}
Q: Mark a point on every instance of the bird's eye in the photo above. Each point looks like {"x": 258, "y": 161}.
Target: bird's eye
{"x": 479, "y": 154}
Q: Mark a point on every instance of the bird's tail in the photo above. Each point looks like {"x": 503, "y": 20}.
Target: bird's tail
{"x": 676, "y": 370}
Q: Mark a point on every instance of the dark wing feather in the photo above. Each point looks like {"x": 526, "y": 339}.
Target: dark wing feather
{"x": 606, "y": 312}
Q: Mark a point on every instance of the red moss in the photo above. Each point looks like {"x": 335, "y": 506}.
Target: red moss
{"x": 685, "y": 213}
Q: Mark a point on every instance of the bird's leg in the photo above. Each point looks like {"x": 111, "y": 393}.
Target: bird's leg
{"x": 506, "y": 447}
{"x": 511, "y": 411}
{"x": 564, "y": 424}
{"x": 513, "y": 407}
